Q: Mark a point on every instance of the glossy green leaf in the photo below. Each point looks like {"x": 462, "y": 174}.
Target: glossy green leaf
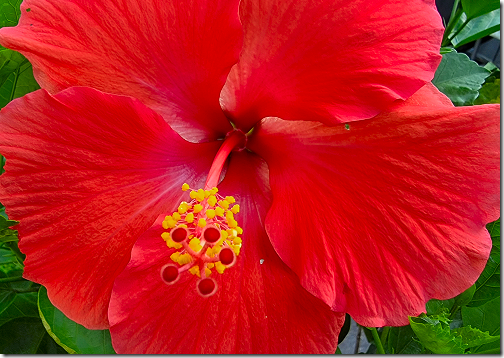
{"x": 18, "y": 83}
{"x": 477, "y": 28}
{"x": 26, "y": 336}
{"x": 9, "y": 12}
{"x": 487, "y": 319}
{"x": 459, "y": 78}
{"x": 475, "y": 8}
{"x": 402, "y": 340}
{"x": 73, "y": 337}
{"x": 488, "y": 284}
{"x": 473, "y": 337}
{"x": 10, "y": 61}
{"x": 434, "y": 333}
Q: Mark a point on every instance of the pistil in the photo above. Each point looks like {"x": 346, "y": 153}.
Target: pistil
{"x": 204, "y": 228}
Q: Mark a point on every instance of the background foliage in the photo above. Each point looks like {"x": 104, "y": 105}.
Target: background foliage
{"x": 468, "y": 323}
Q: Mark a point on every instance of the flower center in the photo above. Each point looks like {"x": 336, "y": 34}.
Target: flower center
{"x": 203, "y": 229}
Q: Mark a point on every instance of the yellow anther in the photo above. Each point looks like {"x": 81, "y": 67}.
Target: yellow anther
{"x": 168, "y": 217}
{"x": 216, "y": 249}
{"x": 224, "y": 204}
{"x": 200, "y": 195}
{"x": 175, "y": 256}
{"x": 182, "y": 209}
{"x": 215, "y": 190}
{"x": 212, "y": 200}
{"x": 207, "y": 193}
{"x": 193, "y": 194}
{"x": 185, "y": 187}
{"x": 219, "y": 211}
{"x": 208, "y": 272}
{"x": 210, "y": 265}
{"x": 172, "y": 244}
{"x": 224, "y": 234}
{"x": 210, "y": 213}
{"x": 184, "y": 259}
{"x": 194, "y": 244}
{"x": 232, "y": 224}
{"x": 176, "y": 216}
{"x": 236, "y": 249}
{"x": 195, "y": 271}
{"x": 239, "y": 230}
{"x": 235, "y": 209}
{"x": 183, "y": 225}
{"x": 165, "y": 235}
{"x": 220, "y": 267}
{"x": 209, "y": 252}
{"x": 237, "y": 241}
{"x": 229, "y": 215}
{"x": 198, "y": 208}
{"x": 169, "y": 224}
{"x": 189, "y": 218}
{"x": 201, "y": 222}
{"x": 230, "y": 199}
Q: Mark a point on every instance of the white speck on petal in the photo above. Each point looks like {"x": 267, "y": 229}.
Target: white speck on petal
{"x": 261, "y": 261}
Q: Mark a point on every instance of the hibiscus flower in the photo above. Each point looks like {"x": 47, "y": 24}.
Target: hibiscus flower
{"x": 360, "y": 187}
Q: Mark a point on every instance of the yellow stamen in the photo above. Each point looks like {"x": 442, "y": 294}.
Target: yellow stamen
{"x": 201, "y": 222}
{"x": 210, "y": 213}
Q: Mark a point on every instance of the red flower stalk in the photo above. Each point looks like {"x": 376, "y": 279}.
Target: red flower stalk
{"x": 372, "y": 217}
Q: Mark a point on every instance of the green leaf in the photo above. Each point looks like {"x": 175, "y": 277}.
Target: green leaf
{"x": 477, "y": 28}
{"x": 434, "y": 333}
{"x": 459, "y": 78}
{"x": 488, "y": 284}
{"x": 402, "y": 340}
{"x": 24, "y": 304}
{"x": 19, "y": 82}
{"x": 10, "y": 61}
{"x": 475, "y": 8}
{"x": 9, "y": 12}
{"x": 436, "y": 307}
{"x": 7, "y": 234}
{"x": 26, "y": 336}
{"x": 489, "y": 93}
{"x": 465, "y": 297}
{"x": 473, "y": 337}
{"x": 486, "y": 318}
{"x": 73, "y": 337}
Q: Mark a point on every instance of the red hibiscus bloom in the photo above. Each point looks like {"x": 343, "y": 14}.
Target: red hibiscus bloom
{"x": 373, "y": 218}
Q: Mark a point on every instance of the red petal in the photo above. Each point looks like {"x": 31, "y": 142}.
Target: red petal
{"x": 258, "y": 308}
{"x": 172, "y": 55}
{"x": 379, "y": 218}
{"x": 86, "y": 173}
{"x": 330, "y": 60}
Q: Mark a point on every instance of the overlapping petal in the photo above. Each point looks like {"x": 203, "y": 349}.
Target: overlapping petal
{"x": 86, "y": 174}
{"x": 259, "y": 307}
{"x": 174, "y": 56}
{"x": 330, "y": 60}
{"x": 379, "y": 216}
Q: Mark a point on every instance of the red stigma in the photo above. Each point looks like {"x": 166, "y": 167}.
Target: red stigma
{"x": 207, "y": 287}
{"x": 211, "y": 234}
{"x": 179, "y": 234}
{"x": 226, "y": 256}
{"x": 169, "y": 274}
